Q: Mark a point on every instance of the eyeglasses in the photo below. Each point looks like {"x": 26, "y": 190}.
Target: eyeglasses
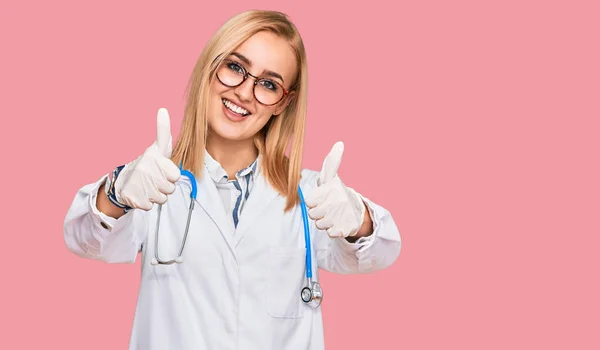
{"x": 267, "y": 92}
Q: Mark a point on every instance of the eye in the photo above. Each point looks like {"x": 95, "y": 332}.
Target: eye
{"x": 269, "y": 85}
{"x": 236, "y": 68}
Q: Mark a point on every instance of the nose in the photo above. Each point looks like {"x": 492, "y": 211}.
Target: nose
{"x": 245, "y": 91}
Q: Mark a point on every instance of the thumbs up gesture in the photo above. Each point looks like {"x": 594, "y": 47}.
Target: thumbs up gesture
{"x": 335, "y": 207}
{"x": 152, "y": 176}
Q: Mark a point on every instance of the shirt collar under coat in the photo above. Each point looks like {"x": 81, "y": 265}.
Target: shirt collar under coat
{"x": 219, "y": 175}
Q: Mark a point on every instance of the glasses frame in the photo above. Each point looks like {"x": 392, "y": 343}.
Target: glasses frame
{"x": 256, "y": 81}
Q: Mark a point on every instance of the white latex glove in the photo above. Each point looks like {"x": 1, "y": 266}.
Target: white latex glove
{"x": 152, "y": 176}
{"x": 335, "y": 207}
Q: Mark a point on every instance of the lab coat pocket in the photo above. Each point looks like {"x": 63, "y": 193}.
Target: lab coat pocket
{"x": 285, "y": 282}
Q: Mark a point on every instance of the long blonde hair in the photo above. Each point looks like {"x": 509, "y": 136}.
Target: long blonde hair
{"x": 281, "y": 131}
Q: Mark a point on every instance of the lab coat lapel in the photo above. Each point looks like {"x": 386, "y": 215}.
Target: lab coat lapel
{"x": 209, "y": 199}
{"x": 259, "y": 199}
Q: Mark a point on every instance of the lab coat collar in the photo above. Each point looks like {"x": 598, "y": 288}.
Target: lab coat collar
{"x": 259, "y": 199}
{"x": 208, "y": 197}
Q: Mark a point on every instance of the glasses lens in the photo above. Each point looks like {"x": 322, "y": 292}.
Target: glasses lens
{"x": 230, "y": 73}
{"x": 268, "y": 92}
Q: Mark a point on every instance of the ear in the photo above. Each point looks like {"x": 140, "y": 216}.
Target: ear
{"x": 285, "y": 102}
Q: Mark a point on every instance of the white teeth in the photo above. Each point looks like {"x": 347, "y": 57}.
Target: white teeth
{"x": 237, "y": 109}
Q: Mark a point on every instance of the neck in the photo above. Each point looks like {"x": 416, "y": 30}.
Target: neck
{"x": 233, "y": 155}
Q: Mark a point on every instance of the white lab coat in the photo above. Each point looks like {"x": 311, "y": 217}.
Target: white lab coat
{"x": 236, "y": 288}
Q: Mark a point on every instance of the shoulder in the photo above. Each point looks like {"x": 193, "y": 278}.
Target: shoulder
{"x": 308, "y": 179}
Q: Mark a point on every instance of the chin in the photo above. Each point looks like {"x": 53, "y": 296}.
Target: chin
{"x": 225, "y": 130}
{"x": 228, "y": 134}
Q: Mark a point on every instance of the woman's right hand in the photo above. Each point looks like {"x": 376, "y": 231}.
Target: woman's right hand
{"x": 152, "y": 176}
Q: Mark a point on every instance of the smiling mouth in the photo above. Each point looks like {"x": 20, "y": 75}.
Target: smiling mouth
{"x": 235, "y": 108}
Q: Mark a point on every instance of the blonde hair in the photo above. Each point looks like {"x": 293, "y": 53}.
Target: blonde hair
{"x": 280, "y": 170}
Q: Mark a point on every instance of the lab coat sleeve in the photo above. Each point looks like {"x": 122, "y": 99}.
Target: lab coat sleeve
{"x": 368, "y": 254}
{"x": 91, "y": 234}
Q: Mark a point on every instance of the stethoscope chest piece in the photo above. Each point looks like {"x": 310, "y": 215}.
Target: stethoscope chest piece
{"x": 312, "y": 294}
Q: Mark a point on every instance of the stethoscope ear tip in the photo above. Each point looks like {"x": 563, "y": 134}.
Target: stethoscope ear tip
{"x": 179, "y": 260}
{"x": 154, "y": 261}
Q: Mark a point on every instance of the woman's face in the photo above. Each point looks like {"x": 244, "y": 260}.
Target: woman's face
{"x": 234, "y": 111}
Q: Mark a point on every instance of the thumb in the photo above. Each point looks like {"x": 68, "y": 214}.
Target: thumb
{"x": 331, "y": 163}
{"x": 163, "y": 132}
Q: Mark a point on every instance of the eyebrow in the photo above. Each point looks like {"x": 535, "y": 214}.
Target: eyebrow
{"x": 248, "y": 62}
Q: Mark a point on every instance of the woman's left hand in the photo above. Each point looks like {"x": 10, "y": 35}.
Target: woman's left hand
{"x": 336, "y": 208}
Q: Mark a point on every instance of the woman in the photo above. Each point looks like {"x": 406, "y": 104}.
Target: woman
{"x": 238, "y": 282}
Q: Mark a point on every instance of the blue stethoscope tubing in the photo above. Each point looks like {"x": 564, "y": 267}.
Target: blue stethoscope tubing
{"x": 156, "y": 260}
{"x": 311, "y": 294}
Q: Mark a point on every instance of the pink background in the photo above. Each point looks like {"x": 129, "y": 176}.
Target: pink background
{"x": 474, "y": 123}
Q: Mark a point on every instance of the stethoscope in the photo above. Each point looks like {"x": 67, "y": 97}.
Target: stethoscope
{"x": 311, "y": 294}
